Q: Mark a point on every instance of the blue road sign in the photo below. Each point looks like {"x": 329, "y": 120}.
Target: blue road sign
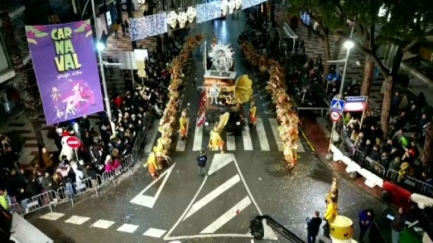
{"x": 337, "y": 105}
{"x": 351, "y": 99}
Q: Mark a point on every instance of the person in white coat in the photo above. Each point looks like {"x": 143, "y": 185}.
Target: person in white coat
{"x": 79, "y": 176}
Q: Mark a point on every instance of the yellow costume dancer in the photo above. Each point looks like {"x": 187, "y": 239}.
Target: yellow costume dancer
{"x": 253, "y": 113}
{"x": 183, "y": 125}
{"x": 216, "y": 142}
{"x": 152, "y": 165}
{"x": 331, "y": 207}
{"x": 342, "y": 226}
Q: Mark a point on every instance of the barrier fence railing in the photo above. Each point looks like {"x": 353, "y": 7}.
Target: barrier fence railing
{"x": 72, "y": 192}
{"x": 410, "y": 183}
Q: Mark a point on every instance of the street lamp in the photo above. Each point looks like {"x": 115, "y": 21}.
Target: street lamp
{"x": 348, "y": 45}
{"x": 100, "y": 46}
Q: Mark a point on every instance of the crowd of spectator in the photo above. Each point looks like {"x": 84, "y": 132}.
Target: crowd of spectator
{"x": 401, "y": 150}
{"x": 103, "y": 145}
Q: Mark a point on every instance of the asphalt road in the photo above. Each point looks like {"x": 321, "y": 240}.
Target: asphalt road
{"x": 184, "y": 207}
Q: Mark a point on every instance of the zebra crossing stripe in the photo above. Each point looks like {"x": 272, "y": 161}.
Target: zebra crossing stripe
{"x": 231, "y": 143}
{"x": 198, "y": 138}
{"x": 264, "y": 144}
{"x": 246, "y": 138}
{"x": 230, "y": 139}
{"x": 274, "y": 127}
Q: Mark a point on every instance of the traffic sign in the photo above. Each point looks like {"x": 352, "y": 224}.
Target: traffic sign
{"x": 355, "y": 103}
{"x": 73, "y": 142}
{"x": 337, "y": 105}
{"x": 335, "y": 116}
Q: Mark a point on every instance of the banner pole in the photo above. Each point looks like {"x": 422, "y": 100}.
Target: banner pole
{"x": 101, "y": 67}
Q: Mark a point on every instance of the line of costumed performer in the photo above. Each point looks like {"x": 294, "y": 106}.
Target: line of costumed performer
{"x": 338, "y": 228}
{"x": 287, "y": 117}
{"x": 160, "y": 153}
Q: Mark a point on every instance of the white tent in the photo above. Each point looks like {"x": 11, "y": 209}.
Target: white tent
{"x": 288, "y": 32}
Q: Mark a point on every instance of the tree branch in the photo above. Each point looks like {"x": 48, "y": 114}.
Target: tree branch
{"x": 410, "y": 45}
{"x": 384, "y": 70}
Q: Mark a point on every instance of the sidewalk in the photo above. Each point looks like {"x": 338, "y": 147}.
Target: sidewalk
{"x": 316, "y": 131}
{"x": 123, "y": 42}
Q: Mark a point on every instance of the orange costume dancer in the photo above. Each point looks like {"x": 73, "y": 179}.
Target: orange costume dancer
{"x": 183, "y": 125}
{"x": 253, "y": 114}
{"x": 152, "y": 165}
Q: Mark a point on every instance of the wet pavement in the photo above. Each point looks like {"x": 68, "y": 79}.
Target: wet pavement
{"x": 184, "y": 207}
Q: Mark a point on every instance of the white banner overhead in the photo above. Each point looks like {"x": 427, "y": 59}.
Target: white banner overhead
{"x": 148, "y": 26}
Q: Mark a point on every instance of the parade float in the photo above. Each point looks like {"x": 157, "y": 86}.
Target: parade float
{"x": 168, "y": 123}
{"x": 287, "y": 117}
{"x": 223, "y": 94}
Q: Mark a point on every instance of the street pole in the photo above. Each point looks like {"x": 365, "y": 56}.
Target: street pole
{"x": 340, "y": 93}
{"x": 101, "y": 67}
{"x": 132, "y": 70}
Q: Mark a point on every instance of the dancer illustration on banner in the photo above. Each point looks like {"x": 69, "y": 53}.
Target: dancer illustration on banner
{"x": 76, "y": 101}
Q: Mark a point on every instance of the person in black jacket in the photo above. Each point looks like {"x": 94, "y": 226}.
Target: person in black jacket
{"x": 201, "y": 163}
{"x": 313, "y": 225}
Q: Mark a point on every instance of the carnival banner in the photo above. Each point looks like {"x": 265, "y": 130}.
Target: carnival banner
{"x": 64, "y": 60}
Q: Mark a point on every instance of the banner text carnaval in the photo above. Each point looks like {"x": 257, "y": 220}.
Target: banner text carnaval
{"x": 66, "y": 59}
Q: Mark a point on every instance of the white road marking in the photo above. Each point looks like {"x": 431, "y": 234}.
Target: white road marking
{"x": 102, "y": 224}
{"x": 246, "y": 138}
{"x": 217, "y": 158}
{"x": 231, "y": 143}
{"x": 212, "y": 195}
{"x": 52, "y": 216}
{"x": 176, "y": 241}
{"x": 219, "y": 161}
{"x": 186, "y": 237}
{"x": 198, "y": 138}
{"x": 167, "y": 236}
{"x": 151, "y": 137}
{"x": 78, "y": 220}
{"x": 181, "y": 144}
{"x": 274, "y": 127}
{"x": 227, "y": 216}
{"x": 261, "y": 134}
{"x": 128, "y": 228}
{"x": 155, "y": 233}
{"x": 149, "y": 201}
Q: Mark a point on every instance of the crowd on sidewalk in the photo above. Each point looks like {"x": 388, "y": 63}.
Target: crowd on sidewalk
{"x": 400, "y": 152}
{"x": 101, "y": 150}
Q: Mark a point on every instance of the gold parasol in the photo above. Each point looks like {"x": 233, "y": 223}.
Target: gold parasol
{"x": 243, "y": 89}
{"x": 224, "y": 118}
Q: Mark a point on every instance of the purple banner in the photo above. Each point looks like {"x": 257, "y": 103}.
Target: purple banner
{"x": 64, "y": 60}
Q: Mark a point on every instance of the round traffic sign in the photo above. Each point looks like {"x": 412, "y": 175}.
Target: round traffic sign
{"x": 73, "y": 142}
{"x": 335, "y": 116}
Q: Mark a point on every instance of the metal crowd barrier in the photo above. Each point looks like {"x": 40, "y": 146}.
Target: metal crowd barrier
{"x": 71, "y": 192}
{"x": 35, "y": 203}
{"x": 347, "y": 142}
{"x": 408, "y": 182}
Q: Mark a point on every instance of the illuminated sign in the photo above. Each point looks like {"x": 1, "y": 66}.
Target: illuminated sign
{"x": 355, "y": 103}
